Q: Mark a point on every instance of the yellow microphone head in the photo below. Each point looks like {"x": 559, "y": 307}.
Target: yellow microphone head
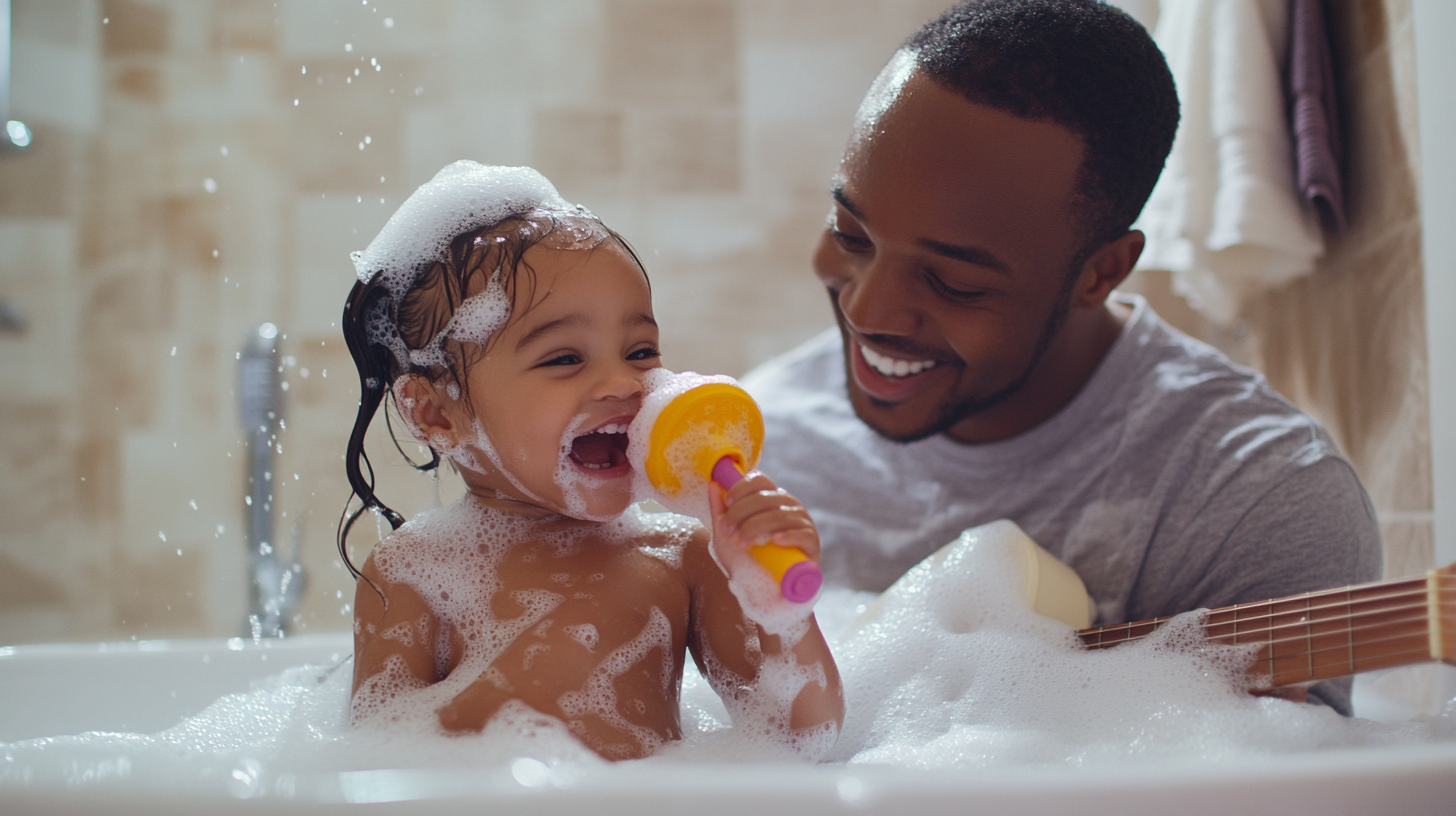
{"x": 696, "y": 429}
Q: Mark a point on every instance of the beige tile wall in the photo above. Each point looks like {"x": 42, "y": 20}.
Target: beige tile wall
{"x": 202, "y": 167}
{"x": 198, "y": 170}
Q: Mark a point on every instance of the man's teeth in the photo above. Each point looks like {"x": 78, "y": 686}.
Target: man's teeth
{"x": 891, "y": 367}
{"x": 612, "y": 429}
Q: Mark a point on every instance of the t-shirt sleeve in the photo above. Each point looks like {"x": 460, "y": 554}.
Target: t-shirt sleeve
{"x": 1315, "y": 529}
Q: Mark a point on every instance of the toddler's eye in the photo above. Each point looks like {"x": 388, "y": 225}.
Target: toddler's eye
{"x": 568, "y": 359}
{"x": 648, "y": 353}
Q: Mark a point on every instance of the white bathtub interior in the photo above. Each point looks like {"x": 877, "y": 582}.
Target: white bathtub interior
{"x": 148, "y": 686}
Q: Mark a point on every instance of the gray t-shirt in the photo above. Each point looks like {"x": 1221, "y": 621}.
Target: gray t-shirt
{"x": 1173, "y": 480}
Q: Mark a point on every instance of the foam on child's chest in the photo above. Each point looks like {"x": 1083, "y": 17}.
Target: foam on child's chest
{"x": 456, "y": 558}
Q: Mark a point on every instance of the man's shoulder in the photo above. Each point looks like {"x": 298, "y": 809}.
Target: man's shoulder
{"x": 807, "y": 378}
{"x": 1181, "y": 392}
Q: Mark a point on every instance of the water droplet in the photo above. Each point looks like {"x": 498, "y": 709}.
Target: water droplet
{"x": 348, "y": 48}
{"x": 210, "y": 185}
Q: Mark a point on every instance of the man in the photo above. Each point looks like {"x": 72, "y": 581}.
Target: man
{"x": 983, "y": 369}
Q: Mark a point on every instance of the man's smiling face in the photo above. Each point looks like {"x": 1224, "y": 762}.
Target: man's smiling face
{"x": 948, "y": 257}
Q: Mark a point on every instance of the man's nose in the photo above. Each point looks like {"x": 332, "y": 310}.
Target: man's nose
{"x": 874, "y": 300}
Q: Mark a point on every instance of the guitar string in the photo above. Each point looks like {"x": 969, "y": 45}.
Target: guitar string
{"x": 1286, "y": 676}
{"x": 1297, "y": 654}
{"x": 1420, "y": 619}
{"x": 1235, "y": 609}
{"x": 1240, "y": 627}
{"x": 1420, "y": 592}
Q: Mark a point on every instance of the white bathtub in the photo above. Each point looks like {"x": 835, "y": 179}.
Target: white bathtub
{"x": 148, "y": 686}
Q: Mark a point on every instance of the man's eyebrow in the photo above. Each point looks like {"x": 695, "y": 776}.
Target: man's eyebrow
{"x": 967, "y": 254}
{"x": 838, "y": 193}
{"x": 964, "y": 254}
{"x": 547, "y": 328}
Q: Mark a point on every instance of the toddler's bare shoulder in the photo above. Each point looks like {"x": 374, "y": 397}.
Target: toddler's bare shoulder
{"x": 666, "y": 537}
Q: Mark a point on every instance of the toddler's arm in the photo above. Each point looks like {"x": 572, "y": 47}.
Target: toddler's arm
{"x": 788, "y": 680}
{"x": 395, "y": 636}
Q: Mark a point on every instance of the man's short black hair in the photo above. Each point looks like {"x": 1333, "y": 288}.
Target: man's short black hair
{"x": 1080, "y": 64}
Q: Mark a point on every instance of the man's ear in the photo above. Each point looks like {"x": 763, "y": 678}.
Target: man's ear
{"x": 426, "y": 411}
{"x": 1109, "y": 267}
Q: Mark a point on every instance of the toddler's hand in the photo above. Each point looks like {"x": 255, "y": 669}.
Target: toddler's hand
{"x": 757, "y": 511}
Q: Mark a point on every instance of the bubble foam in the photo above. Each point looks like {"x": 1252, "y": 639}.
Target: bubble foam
{"x": 947, "y": 670}
{"x": 462, "y": 197}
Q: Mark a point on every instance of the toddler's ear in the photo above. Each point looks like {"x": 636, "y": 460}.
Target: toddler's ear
{"x": 422, "y": 406}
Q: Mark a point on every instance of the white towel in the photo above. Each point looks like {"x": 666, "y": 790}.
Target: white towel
{"x": 1225, "y": 216}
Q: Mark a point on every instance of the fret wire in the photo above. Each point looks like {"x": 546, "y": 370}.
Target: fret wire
{"x": 1417, "y": 587}
{"x": 1423, "y": 605}
{"x": 1418, "y": 619}
{"x": 1155, "y": 621}
{"x": 1320, "y": 608}
{"x": 1278, "y": 634}
{"x": 1402, "y": 656}
{"x": 1421, "y": 650}
{"x": 1237, "y": 608}
{"x": 1349, "y": 633}
{"x": 1398, "y": 655}
{"x": 1272, "y": 630}
{"x": 1308, "y": 638}
{"x": 1371, "y": 642}
{"x": 1369, "y": 617}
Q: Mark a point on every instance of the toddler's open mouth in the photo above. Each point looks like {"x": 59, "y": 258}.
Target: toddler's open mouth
{"x": 603, "y": 452}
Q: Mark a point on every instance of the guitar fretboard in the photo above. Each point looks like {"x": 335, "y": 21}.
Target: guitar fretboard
{"x": 1320, "y": 635}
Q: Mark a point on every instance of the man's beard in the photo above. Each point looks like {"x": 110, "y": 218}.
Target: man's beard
{"x": 970, "y": 406}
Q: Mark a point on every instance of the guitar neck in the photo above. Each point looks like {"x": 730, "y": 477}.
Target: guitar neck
{"x": 1332, "y": 633}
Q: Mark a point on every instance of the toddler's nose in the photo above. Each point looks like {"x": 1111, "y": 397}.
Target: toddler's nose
{"x": 619, "y": 386}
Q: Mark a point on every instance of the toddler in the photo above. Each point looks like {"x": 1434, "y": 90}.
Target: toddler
{"x": 515, "y": 334}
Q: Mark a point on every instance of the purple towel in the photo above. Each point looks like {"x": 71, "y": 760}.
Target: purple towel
{"x": 1313, "y": 116}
